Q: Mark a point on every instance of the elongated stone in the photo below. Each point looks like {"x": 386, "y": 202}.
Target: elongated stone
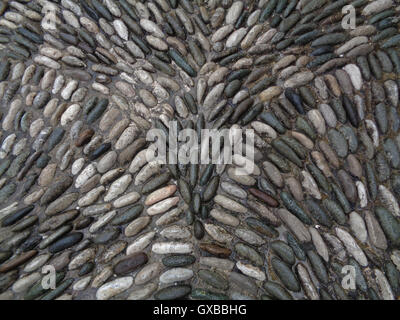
{"x": 113, "y": 288}
{"x": 173, "y": 292}
{"x": 228, "y": 204}
{"x": 130, "y": 263}
{"x": 66, "y": 242}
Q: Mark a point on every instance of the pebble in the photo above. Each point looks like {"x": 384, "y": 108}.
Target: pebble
{"x": 175, "y": 232}
{"x": 149, "y": 272}
{"x": 322, "y": 101}
{"x": 352, "y": 246}
{"x": 175, "y": 275}
{"x": 251, "y": 271}
{"x": 118, "y": 187}
{"x": 229, "y": 204}
{"x": 218, "y": 263}
{"x": 162, "y": 206}
{"x": 130, "y": 263}
{"x": 172, "y": 247}
{"x": 224, "y": 217}
{"x": 24, "y": 283}
{"x": 113, "y": 288}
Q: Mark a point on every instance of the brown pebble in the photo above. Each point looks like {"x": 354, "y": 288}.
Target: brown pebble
{"x": 216, "y": 250}
{"x": 84, "y": 137}
{"x": 47, "y": 175}
{"x": 264, "y": 197}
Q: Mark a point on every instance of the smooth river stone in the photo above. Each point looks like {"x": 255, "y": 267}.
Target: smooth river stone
{"x": 136, "y": 226}
{"x": 175, "y": 275}
{"x": 148, "y": 272}
{"x": 224, "y": 217}
{"x": 352, "y": 247}
{"x": 159, "y": 195}
{"x": 112, "y": 288}
{"x": 130, "y": 263}
{"x": 172, "y": 247}
{"x": 251, "y": 271}
{"x": 295, "y": 225}
{"x": 218, "y": 233}
{"x": 118, "y": 187}
{"x": 229, "y": 204}
{"x": 176, "y": 232}
{"x": 140, "y": 243}
{"x": 126, "y": 199}
{"x": 212, "y": 262}
{"x": 162, "y": 206}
